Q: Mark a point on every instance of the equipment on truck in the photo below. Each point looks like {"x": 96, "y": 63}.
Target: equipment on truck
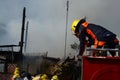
{"x": 70, "y": 69}
{"x": 67, "y": 69}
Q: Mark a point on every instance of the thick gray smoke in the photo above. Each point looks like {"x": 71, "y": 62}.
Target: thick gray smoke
{"x": 47, "y": 21}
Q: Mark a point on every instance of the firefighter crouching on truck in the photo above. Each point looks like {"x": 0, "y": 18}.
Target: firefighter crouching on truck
{"x": 92, "y": 34}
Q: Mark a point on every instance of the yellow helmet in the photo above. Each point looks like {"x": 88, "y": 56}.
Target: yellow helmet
{"x": 44, "y": 76}
{"x": 17, "y": 70}
{"x": 74, "y": 24}
{"x": 55, "y": 77}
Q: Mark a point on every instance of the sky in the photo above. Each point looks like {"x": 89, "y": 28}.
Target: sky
{"x": 47, "y": 22}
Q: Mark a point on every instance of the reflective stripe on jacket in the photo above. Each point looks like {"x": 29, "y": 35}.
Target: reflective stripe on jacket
{"x": 98, "y": 34}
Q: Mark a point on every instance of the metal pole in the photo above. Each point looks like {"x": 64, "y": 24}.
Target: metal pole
{"x": 26, "y": 35}
{"x": 66, "y": 28}
{"x": 12, "y": 55}
{"x": 22, "y": 31}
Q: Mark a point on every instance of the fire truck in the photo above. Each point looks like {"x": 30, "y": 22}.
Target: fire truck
{"x": 91, "y": 67}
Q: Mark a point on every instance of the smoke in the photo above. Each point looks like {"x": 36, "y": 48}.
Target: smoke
{"x": 47, "y": 21}
{"x": 2, "y": 29}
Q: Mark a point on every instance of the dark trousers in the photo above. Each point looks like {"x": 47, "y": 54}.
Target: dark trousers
{"x": 109, "y": 45}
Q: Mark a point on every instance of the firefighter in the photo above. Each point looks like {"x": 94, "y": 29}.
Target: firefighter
{"x": 16, "y": 75}
{"x": 25, "y": 75}
{"x": 44, "y": 77}
{"x": 92, "y": 34}
{"x": 55, "y": 77}
{"x": 37, "y": 77}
